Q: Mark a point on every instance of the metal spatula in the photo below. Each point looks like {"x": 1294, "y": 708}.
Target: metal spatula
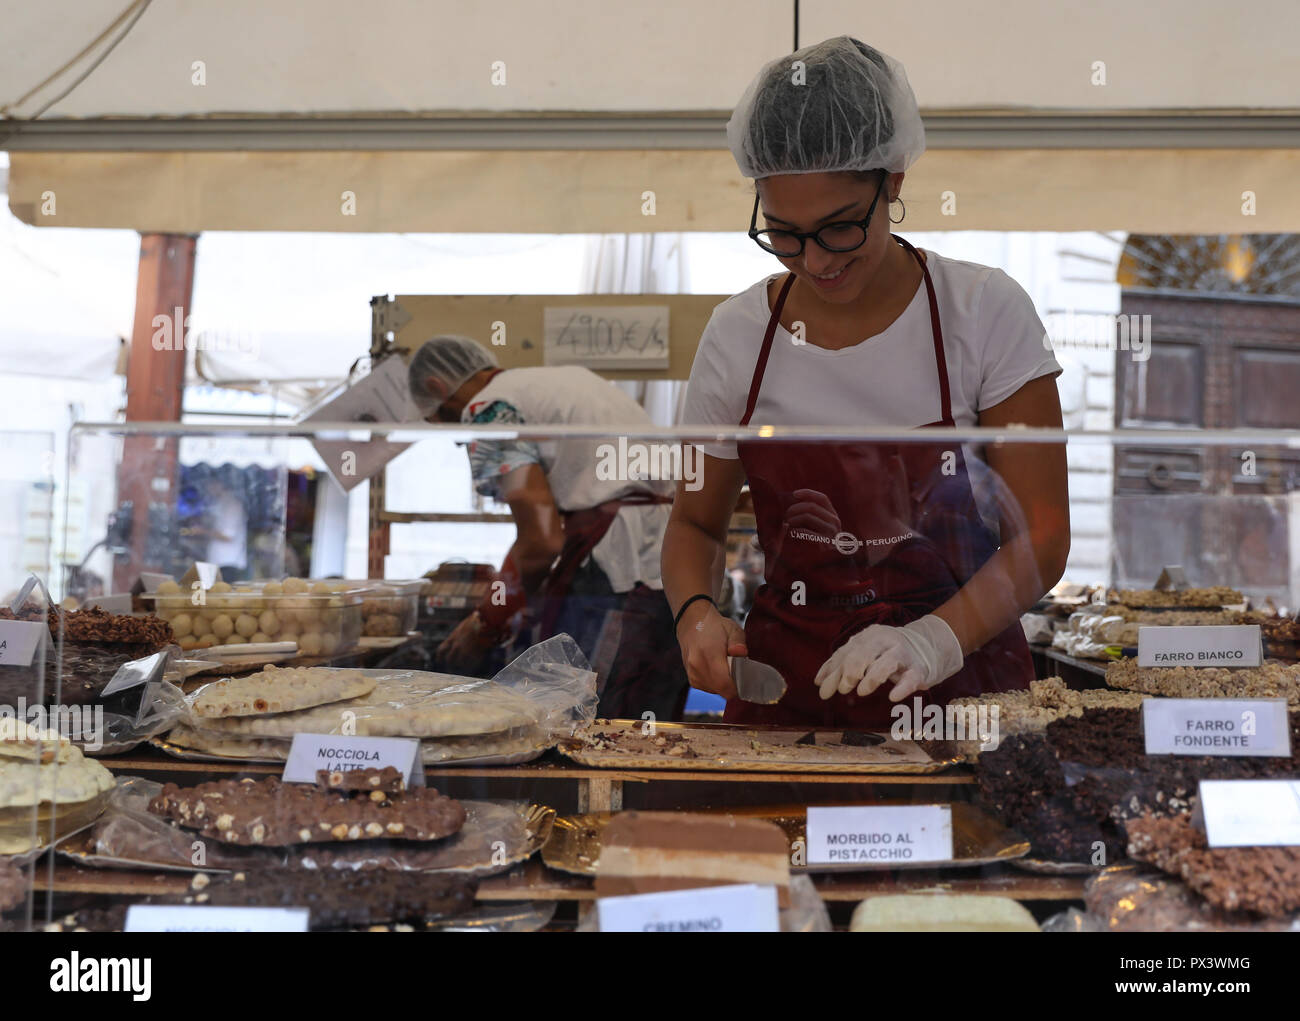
{"x": 757, "y": 682}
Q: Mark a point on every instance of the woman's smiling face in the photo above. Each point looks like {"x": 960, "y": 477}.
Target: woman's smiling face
{"x": 806, "y": 202}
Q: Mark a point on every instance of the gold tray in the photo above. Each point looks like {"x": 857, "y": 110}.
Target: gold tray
{"x": 726, "y": 748}
{"x": 538, "y": 822}
{"x": 978, "y": 839}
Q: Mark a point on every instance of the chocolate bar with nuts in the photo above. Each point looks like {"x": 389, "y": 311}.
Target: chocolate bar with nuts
{"x": 268, "y": 812}
{"x": 389, "y": 779}
{"x": 340, "y": 899}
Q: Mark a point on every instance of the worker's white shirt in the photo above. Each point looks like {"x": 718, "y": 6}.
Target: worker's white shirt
{"x": 577, "y": 470}
{"x": 994, "y": 344}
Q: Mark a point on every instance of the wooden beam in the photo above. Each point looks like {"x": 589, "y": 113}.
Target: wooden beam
{"x": 155, "y": 385}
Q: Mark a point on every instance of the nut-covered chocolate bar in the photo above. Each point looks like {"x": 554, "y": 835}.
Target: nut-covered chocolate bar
{"x": 273, "y": 813}
{"x": 338, "y": 899}
{"x": 388, "y": 780}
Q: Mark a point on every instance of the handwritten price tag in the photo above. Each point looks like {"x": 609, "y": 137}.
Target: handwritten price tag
{"x": 607, "y": 336}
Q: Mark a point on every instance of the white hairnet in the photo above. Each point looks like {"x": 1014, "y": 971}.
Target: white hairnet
{"x": 441, "y": 366}
{"x": 836, "y": 105}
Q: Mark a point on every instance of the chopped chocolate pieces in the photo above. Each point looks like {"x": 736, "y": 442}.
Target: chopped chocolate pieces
{"x": 1212, "y": 596}
{"x": 273, "y": 813}
{"x": 1273, "y": 679}
{"x": 1076, "y": 783}
{"x": 1261, "y": 880}
{"x": 388, "y": 780}
{"x": 658, "y": 742}
{"x": 101, "y": 627}
{"x": 1024, "y": 783}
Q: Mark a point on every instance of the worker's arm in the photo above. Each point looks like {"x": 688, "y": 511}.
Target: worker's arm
{"x": 539, "y": 529}
{"x": 694, "y": 548}
{"x": 539, "y": 536}
{"x": 1034, "y": 513}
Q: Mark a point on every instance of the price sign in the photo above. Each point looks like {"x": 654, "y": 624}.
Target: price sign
{"x": 607, "y": 336}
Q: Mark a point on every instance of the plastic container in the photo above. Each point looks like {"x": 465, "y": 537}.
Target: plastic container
{"x": 323, "y": 617}
{"x": 389, "y": 609}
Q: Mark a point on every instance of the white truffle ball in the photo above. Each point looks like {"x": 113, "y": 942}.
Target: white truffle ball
{"x": 200, "y": 625}
{"x": 294, "y": 586}
{"x": 269, "y": 622}
{"x": 168, "y": 588}
{"x": 182, "y": 625}
{"x": 222, "y": 626}
{"x": 311, "y": 643}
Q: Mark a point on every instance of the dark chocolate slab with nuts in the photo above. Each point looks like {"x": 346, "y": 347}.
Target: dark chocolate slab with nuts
{"x": 340, "y": 899}
{"x": 269, "y": 812}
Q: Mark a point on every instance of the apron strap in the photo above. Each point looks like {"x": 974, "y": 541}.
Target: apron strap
{"x": 941, "y": 360}
{"x": 936, "y": 331}
{"x": 756, "y": 383}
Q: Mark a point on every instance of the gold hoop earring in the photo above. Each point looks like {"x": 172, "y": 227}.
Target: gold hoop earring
{"x": 900, "y": 219}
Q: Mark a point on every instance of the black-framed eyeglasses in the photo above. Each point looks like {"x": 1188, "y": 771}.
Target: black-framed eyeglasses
{"x": 841, "y": 236}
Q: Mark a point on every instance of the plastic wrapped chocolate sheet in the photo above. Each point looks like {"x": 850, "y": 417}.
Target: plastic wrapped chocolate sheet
{"x": 544, "y": 694}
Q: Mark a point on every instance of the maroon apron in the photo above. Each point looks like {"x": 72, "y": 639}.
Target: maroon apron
{"x": 885, "y": 534}
{"x": 583, "y": 530}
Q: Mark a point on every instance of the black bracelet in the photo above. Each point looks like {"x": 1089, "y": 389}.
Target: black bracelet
{"x": 699, "y": 595}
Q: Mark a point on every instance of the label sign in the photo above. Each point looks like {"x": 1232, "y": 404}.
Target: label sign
{"x": 741, "y": 908}
{"x": 1251, "y": 813}
{"x": 880, "y": 834}
{"x": 117, "y": 603}
{"x": 1221, "y": 646}
{"x": 606, "y": 336}
{"x": 202, "y": 918}
{"x": 19, "y": 640}
{"x": 310, "y": 752}
{"x": 1216, "y": 726}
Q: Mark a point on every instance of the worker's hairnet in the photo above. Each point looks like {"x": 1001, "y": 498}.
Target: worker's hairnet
{"x": 836, "y": 105}
{"x": 441, "y": 366}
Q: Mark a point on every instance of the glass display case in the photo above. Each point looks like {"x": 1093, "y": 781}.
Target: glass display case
{"x": 494, "y": 736}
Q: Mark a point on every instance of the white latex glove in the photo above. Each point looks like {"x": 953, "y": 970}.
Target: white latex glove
{"x": 915, "y": 657}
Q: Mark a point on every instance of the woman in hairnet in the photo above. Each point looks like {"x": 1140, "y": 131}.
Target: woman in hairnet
{"x": 883, "y": 580}
{"x": 586, "y": 550}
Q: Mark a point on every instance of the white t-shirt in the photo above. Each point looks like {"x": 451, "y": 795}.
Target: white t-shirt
{"x": 993, "y": 342}
{"x": 581, "y": 473}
